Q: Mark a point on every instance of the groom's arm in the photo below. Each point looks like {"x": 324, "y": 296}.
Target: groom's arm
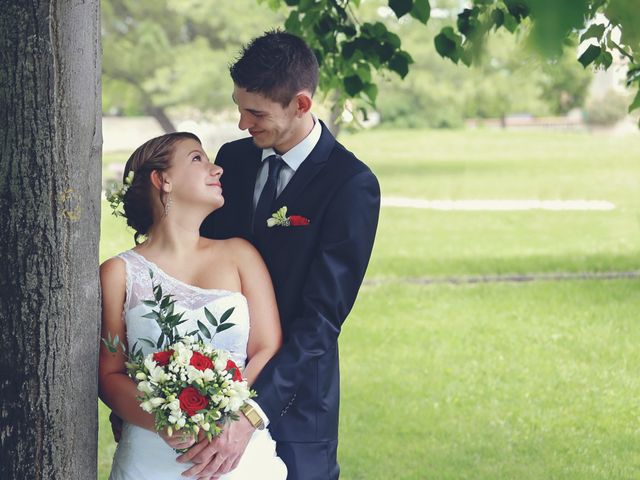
{"x": 335, "y": 275}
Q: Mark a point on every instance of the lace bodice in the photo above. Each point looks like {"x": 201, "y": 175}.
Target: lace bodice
{"x": 189, "y": 299}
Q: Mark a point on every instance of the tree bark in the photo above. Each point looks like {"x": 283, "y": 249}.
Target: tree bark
{"x": 50, "y": 147}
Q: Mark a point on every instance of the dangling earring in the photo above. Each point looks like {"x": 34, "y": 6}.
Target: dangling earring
{"x": 167, "y": 205}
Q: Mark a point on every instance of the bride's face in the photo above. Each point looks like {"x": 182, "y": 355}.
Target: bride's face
{"x": 192, "y": 179}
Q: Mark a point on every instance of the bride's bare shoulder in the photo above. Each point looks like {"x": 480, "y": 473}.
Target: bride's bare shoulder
{"x": 236, "y": 249}
{"x": 113, "y": 274}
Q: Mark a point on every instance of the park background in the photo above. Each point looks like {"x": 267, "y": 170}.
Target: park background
{"x": 488, "y": 341}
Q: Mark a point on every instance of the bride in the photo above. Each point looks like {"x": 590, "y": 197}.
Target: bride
{"x": 174, "y": 188}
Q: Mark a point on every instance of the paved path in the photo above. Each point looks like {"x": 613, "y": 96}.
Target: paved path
{"x": 497, "y": 205}
{"x": 534, "y": 277}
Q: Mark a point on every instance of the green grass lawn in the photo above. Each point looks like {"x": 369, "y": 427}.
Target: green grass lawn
{"x": 489, "y": 381}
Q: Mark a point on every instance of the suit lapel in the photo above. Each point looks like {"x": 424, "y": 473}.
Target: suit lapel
{"x": 309, "y": 168}
{"x": 246, "y": 188}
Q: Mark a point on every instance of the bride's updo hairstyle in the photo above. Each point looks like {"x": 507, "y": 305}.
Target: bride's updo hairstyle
{"x": 154, "y": 154}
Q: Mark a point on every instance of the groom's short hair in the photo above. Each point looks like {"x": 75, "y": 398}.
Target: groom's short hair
{"x": 277, "y": 65}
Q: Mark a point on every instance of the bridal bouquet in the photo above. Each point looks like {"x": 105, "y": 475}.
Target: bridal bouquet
{"x": 187, "y": 384}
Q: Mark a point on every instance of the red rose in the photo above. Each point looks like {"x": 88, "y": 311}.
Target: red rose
{"x": 162, "y": 358}
{"x": 298, "y": 220}
{"x": 233, "y": 368}
{"x": 191, "y": 401}
{"x": 201, "y": 362}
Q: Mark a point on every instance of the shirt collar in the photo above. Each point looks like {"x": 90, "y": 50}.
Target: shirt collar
{"x": 294, "y": 157}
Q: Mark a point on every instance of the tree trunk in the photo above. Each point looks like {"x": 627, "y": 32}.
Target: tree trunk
{"x": 334, "y": 115}
{"x": 160, "y": 115}
{"x": 50, "y": 146}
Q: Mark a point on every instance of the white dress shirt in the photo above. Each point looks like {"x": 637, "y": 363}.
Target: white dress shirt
{"x": 292, "y": 161}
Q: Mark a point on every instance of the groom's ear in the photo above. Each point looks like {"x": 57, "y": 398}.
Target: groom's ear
{"x": 303, "y": 103}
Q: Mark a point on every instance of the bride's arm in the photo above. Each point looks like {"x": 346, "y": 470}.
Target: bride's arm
{"x": 265, "y": 334}
{"x": 116, "y": 389}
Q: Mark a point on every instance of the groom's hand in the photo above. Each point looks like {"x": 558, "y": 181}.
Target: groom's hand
{"x": 222, "y": 454}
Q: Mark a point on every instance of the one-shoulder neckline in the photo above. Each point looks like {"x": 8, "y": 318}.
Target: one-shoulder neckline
{"x": 177, "y": 280}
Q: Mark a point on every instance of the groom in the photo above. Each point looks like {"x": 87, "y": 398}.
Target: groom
{"x": 317, "y": 253}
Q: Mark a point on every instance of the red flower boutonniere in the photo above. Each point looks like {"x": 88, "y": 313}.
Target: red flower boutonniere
{"x": 280, "y": 219}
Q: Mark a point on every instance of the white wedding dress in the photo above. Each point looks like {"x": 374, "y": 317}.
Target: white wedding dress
{"x": 141, "y": 454}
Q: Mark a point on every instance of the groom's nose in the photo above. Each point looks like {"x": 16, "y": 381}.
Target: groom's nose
{"x": 245, "y": 121}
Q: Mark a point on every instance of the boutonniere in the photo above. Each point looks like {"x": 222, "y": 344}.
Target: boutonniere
{"x": 280, "y": 219}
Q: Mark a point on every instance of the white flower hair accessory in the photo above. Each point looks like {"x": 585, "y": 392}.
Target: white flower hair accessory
{"x": 115, "y": 196}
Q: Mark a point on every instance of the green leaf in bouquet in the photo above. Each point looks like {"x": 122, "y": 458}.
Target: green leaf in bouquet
{"x": 148, "y": 342}
{"x": 223, "y": 327}
{"x": 227, "y": 314}
{"x": 160, "y": 340}
{"x": 210, "y": 317}
{"x": 166, "y": 301}
{"x": 136, "y": 351}
{"x": 157, "y": 291}
{"x": 205, "y": 331}
{"x": 150, "y": 303}
{"x": 153, "y": 315}
{"x": 111, "y": 343}
{"x": 151, "y": 273}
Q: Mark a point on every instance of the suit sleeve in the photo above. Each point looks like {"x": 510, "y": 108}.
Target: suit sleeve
{"x": 335, "y": 275}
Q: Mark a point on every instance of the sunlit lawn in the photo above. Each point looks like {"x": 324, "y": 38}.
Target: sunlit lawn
{"x": 489, "y": 381}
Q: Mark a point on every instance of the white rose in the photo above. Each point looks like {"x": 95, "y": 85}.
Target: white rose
{"x": 194, "y": 374}
{"x": 146, "y": 406}
{"x": 183, "y": 357}
{"x": 181, "y": 422}
{"x": 141, "y": 376}
{"x": 156, "y": 401}
{"x": 206, "y": 427}
{"x": 174, "y": 406}
{"x": 172, "y": 419}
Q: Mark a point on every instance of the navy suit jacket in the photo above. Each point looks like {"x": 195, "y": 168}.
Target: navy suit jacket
{"x": 316, "y": 271}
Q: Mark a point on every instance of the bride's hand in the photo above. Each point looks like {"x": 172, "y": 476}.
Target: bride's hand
{"x": 179, "y": 440}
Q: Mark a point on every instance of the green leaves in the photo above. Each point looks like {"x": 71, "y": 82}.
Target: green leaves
{"x": 448, "y": 43}
{"x": 400, "y": 62}
{"x": 221, "y": 325}
{"x": 204, "y": 330}
{"x": 353, "y": 85}
{"x": 594, "y": 31}
{"x": 589, "y": 55}
{"x": 636, "y": 102}
{"x": 401, "y": 7}
{"x": 421, "y": 10}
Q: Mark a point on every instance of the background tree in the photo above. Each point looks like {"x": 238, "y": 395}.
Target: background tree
{"x": 437, "y": 93}
{"x": 349, "y": 50}
{"x": 49, "y": 218}
{"x": 162, "y": 55}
